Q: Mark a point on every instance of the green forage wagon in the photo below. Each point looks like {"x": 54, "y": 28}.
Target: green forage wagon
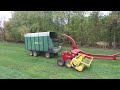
{"x": 42, "y": 43}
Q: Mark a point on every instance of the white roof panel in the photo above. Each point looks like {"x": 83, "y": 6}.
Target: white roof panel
{"x": 37, "y": 34}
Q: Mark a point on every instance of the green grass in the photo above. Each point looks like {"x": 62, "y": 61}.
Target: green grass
{"x": 16, "y": 63}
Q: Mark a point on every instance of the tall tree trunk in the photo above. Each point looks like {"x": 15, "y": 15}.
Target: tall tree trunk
{"x": 68, "y": 17}
{"x": 110, "y": 38}
{"x": 114, "y": 45}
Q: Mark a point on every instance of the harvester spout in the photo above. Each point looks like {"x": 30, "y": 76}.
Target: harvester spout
{"x": 74, "y": 45}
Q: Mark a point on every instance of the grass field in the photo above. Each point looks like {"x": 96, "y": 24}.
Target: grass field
{"x": 16, "y": 63}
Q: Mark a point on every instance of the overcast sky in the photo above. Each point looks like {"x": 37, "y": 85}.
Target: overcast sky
{"x": 5, "y": 14}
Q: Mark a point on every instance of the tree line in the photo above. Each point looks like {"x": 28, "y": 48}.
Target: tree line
{"x": 85, "y": 30}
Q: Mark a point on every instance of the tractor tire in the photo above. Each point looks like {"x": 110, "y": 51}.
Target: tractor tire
{"x": 35, "y": 53}
{"x": 68, "y": 63}
{"x": 60, "y": 62}
{"x": 47, "y": 55}
{"x": 31, "y": 53}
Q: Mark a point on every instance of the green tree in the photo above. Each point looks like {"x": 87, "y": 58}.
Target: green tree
{"x": 114, "y": 27}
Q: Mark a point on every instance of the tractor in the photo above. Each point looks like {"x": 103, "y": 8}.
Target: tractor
{"x": 73, "y": 58}
{"x": 79, "y": 59}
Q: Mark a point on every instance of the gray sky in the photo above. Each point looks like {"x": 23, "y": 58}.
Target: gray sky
{"x": 101, "y": 12}
{"x": 5, "y": 14}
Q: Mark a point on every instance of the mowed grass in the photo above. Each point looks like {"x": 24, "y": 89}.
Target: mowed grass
{"x": 16, "y": 63}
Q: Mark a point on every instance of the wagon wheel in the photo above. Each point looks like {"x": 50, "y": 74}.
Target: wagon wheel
{"x": 31, "y": 53}
{"x": 60, "y": 62}
{"x": 47, "y": 55}
{"x": 35, "y": 53}
{"x": 68, "y": 63}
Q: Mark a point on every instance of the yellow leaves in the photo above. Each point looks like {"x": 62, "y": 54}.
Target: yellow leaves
{"x": 23, "y": 30}
{"x": 9, "y": 36}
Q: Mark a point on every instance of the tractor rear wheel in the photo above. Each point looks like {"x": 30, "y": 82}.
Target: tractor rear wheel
{"x": 60, "y": 62}
{"x": 47, "y": 55}
{"x": 31, "y": 53}
{"x": 68, "y": 63}
{"x": 35, "y": 53}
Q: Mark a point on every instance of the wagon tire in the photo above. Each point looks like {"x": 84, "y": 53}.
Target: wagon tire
{"x": 35, "y": 53}
{"x": 47, "y": 55}
{"x": 31, "y": 53}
